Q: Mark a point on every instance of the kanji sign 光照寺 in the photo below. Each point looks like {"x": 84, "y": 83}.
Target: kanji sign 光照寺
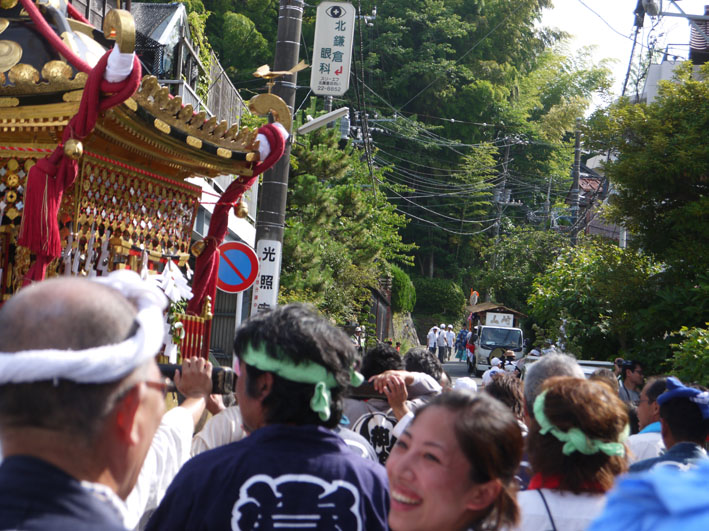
{"x": 332, "y": 50}
{"x": 265, "y": 294}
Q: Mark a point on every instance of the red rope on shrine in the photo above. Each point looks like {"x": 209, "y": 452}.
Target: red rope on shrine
{"x": 48, "y": 33}
{"x": 74, "y": 13}
{"x": 34, "y": 150}
{"x": 189, "y": 187}
{"x": 207, "y": 264}
{"x": 52, "y": 175}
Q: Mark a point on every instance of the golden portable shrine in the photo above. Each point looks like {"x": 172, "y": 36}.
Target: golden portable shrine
{"x": 128, "y": 205}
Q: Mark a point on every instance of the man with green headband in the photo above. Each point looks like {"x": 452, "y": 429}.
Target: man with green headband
{"x": 292, "y": 471}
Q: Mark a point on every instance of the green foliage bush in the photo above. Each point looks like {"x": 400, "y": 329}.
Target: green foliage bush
{"x": 691, "y": 359}
{"x": 403, "y": 292}
{"x": 599, "y": 291}
{"x": 439, "y": 296}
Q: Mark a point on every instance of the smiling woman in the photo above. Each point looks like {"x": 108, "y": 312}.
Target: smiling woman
{"x": 453, "y": 469}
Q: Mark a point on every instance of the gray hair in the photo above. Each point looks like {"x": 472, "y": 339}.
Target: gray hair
{"x": 537, "y": 373}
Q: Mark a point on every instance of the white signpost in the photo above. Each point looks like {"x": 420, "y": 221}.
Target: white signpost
{"x": 332, "y": 50}
{"x": 265, "y": 293}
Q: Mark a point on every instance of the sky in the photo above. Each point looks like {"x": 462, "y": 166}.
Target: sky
{"x": 611, "y": 28}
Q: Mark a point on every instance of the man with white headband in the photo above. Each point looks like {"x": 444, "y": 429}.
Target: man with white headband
{"x": 80, "y": 399}
{"x": 292, "y": 471}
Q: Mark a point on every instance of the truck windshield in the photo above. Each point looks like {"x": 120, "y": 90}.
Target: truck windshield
{"x": 501, "y": 337}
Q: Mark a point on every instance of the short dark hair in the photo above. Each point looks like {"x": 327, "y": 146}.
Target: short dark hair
{"x": 65, "y": 314}
{"x": 598, "y": 412}
{"x": 629, "y": 365}
{"x": 654, "y": 387}
{"x": 491, "y": 440}
{"x": 296, "y": 332}
{"x": 380, "y": 358}
{"x": 420, "y": 359}
{"x": 508, "y": 389}
{"x": 684, "y": 420}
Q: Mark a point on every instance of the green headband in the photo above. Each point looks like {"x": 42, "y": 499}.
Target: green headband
{"x": 575, "y": 440}
{"x": 306, "y": 372}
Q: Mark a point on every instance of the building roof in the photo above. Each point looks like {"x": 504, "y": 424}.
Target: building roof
{"x": 150, "y": 17}
{"x": 493, "y": 307}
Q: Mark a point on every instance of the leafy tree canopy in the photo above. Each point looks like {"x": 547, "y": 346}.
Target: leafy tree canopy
{"x": 341, "y": 233}
{"x": 661, "y": 170}
{"x": 596, "y": 291}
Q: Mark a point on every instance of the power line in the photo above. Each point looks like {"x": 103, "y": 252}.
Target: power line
{"x": 445, "y": 229}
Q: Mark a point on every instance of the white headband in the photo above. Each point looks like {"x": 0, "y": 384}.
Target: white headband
{"x": 103, "y": 364}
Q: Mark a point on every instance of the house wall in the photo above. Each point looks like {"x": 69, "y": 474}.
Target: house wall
{"x": 94, "y": 10}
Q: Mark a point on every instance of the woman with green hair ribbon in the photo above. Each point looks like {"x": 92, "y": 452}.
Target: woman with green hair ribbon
{"x": 576, "y": 448}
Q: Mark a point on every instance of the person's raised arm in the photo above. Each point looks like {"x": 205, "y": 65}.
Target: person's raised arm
{"x": 395, "y": 391}
{"x": 194, "y": 382}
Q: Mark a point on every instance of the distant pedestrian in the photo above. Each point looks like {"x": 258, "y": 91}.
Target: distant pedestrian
{"x": 618, "y": 367}
{"x": 450, "y": 338}
{"x": 442, "y": 343}
{"x": 460, "y": 342}
{"x": 647, "y": 443}
{"x": 432, "y": 339}
{"x": 632, "y": 373}
{"x": 358, "y": 340}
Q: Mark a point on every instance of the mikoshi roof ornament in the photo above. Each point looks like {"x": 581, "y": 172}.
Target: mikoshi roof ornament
{"x": 172, "y": 137}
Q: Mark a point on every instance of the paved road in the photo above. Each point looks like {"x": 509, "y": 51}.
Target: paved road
{"x": 458, "y": 369}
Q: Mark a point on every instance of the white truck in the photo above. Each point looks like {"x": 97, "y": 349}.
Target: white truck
{"x": 495, "y": 337}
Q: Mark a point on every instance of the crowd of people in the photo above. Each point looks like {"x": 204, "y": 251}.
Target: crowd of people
{"x": 87, "y": 444}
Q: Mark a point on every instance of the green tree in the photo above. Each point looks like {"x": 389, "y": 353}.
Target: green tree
{"x": 691, "y": 358}
{"x": 511, "y": 265}
{"x": 440, "y": 297}
{"x": 660, "y": 171}
{"x": 596, "y": 291}
{"x": 241, "y": 46}
{"x": 403, "y": 292}
{"x": 659, "y": 176}
{"x": 341, "y": 233}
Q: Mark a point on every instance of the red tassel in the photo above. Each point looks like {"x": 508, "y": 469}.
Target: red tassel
{"x": 51, "y": 176}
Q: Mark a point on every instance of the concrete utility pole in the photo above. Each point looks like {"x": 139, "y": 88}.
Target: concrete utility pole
{"x": 575, "y": 186}
{"x": 270, "y": 218}
{"x": 502, "y": 197}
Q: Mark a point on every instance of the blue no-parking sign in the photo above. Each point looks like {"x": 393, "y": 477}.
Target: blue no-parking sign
{"x": 238, "y": 267}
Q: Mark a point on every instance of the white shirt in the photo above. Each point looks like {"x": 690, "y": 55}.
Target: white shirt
{"x": 644, "y": 446}
{"x": 223, "y": 428}
{"x": 487, "y": 375}
{"x": 432, "y": 337}
{"x": 169, "y": 450}
{"x": 442, "y": 340}
{"x": 571, "y": 512}
{"x": 450, "y": 335}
